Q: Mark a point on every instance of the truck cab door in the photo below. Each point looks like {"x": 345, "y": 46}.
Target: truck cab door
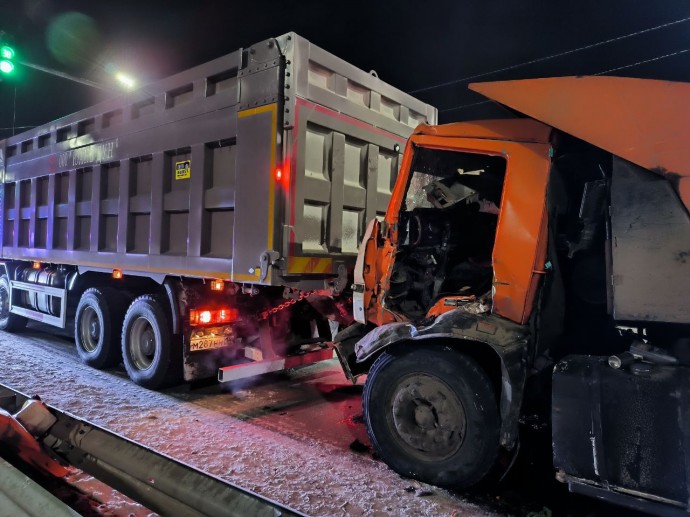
{"x": 365, "y": 277}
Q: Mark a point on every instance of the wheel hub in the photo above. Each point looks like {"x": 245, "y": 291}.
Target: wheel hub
{"x": 94, "y": 329}
{"x": 424, "y": 417}
{"x": 89, "y": 330}
{"x": 428, "y": 417}
{"x": 148, "y": 342}
{"x": 142, "y": 344}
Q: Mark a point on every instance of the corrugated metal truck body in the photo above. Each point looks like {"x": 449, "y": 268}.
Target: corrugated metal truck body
{"x": 259, "y": 168}
{"x": 179, "y": 178}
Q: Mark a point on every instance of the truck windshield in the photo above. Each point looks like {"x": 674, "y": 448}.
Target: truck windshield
{"x": 447, "y": 227}
{"x": 443, "y": 178}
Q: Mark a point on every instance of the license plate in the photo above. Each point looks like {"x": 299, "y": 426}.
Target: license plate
{"x": 198, "y": 344}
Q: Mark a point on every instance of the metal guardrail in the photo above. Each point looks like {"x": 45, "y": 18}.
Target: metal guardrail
{"x": 160, "y": 483}
{"x": 20, "y": 496}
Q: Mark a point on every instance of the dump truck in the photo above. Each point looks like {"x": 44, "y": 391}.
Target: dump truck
{"x": 536, "y": 266}
{"x": 208, "y": 223}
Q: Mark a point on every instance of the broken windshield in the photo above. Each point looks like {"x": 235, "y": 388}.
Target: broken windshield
{"x": 441, "y": 179}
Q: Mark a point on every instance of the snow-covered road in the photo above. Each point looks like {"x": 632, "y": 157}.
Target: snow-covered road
{"x": 289, "y": 436}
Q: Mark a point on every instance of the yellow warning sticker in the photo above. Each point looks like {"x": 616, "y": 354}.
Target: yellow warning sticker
{"x": 183, "y": 170}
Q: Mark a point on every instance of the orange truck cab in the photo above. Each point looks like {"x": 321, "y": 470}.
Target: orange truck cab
{"x": 522, "y": 266}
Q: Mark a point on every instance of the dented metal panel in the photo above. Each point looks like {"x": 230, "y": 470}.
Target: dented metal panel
{"x": 650, "y": 247}
{"x": 181, "y": 177}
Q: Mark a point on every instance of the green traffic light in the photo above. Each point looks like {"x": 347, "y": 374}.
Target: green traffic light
{"x": 6, "y": 52}
{"x": 6, "y": 67}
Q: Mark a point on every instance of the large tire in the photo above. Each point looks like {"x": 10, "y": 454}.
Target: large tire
{"x": 147, "y": 345}
{"x": 97, "y": 328}
{"x": 431, "y": 415}
{"x": 8, "y": 322}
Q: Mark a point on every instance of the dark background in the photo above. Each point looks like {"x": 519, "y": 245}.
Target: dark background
{"x": 411, "y": 44}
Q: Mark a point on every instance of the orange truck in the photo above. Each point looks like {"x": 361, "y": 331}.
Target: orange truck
{"x": 538, "y": 264}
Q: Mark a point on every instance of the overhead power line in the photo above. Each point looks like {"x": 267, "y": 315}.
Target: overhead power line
{"x": 465, "y": 106}
{"x": 552, "y": 56}
{"x": 650, "y": 60}
{"x": 657, "y": 58}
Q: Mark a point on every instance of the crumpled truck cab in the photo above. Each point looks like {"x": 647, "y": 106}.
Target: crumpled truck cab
{"x": 514, "y": 248}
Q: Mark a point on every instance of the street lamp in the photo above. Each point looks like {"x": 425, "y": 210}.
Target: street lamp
{"x": 125, "y": 80}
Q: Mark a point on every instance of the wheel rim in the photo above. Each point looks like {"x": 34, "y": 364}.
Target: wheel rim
{"x": 142, "y": 343}
{"x": 90, "y": 330}
{"x": 427, "y": 417}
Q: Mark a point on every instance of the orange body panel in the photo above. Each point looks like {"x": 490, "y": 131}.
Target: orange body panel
{"x": 520, "y": 248}
{"x": 447, "y": 304}
{"x": 15, "y": 436}
{"x": 641, "y": 120}
{"x": 515, "y": 130}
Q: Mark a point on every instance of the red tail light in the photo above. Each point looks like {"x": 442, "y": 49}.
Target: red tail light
{"x": 212, "y": 317}
{"x": 281, "y": 174}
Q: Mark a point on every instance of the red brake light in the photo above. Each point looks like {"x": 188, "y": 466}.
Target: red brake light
{"x": 279, "y": 174}
{"x": 212, "y": 317}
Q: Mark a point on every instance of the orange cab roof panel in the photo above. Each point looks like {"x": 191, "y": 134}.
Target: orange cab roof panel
{"x": 516, "y": 130}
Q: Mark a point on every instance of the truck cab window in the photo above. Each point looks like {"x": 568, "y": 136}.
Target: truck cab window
{"x": 447, "y": 228}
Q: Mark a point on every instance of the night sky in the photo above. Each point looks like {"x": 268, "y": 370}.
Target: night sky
{"x": 412, "y": 45}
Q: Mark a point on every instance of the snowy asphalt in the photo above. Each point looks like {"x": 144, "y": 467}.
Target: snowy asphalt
{"x": 295, "y": 437}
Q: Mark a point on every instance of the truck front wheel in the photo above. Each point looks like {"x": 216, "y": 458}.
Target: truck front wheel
{"x": 96, "y": 328}
{"x": 147, "y": 344}
{"x": 431, "y": 415}
{"x": 8, "y": 321}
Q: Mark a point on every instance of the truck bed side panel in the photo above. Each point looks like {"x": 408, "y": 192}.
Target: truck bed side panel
{"x": 142, "y": 183}
{"x": 348, "y": 132}
{"x": 650, "y": 247}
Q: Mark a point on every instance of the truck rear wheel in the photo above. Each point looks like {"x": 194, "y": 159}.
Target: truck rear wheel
{"x": 96, "y": 326}
{"x": 8, "y": 321}
{"x": 432, "y": 415}
{"x": 147, "y": 344}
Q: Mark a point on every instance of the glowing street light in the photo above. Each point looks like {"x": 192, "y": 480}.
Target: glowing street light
{"x": 125, "y": 80}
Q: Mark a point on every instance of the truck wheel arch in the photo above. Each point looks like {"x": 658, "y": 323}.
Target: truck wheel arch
{"x": 504, "y": 368}
{"x": 432, "y": 415}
